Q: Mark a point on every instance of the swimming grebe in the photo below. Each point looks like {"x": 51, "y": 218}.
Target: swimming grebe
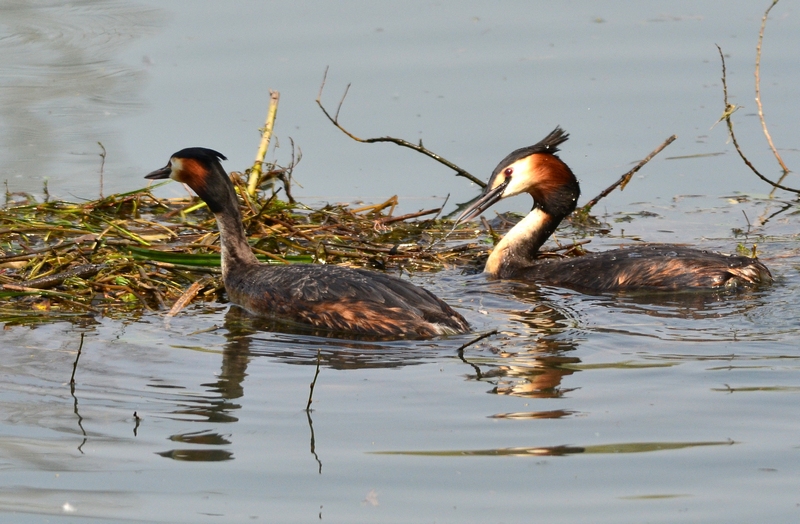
{"x": 332, "y": 298}
{"x": 537, "y": 170}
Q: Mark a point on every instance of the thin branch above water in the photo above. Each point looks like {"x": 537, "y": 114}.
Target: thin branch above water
{"x": 334, "y": 119}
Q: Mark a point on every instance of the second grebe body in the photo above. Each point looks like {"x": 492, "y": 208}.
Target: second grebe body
{"x": 537, "y": 170}
{"x": 331, "y": 298}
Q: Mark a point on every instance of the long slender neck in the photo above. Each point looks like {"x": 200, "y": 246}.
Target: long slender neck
{"x": 517, "y": 249}
{"x": 555, "y": 194}
{"x": 235, "y": 249}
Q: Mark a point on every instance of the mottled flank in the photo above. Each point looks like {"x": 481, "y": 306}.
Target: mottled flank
{"x": 661, "y": 267}
{"x": 343, "y": 300}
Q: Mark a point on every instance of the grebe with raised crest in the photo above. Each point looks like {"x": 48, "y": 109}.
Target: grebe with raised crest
{"x": 538, "y": 171}
{"x": 332, "y": 298}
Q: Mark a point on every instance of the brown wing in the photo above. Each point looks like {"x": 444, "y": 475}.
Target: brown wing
{"x": 343, "y": 300}
{"x": 659, "y": 267}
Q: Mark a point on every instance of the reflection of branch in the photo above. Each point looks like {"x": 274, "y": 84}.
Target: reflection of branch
{"x": 460, "y": 352}
{"x": 308, "y": 413}
{"x": 313, "y": 442}
{"x": 758, "y": 88}
{"x": 727, "y": 115}
{"x": 72, "y": 392}
{"x": 399, "y": 141}
{"x": 624, "y": 179}
{"x": 80, "y": 422}
{"x": 478, "y": 372}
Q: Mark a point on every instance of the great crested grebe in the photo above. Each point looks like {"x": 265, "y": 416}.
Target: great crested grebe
{"x": 332, "y": 298}
{"x": 537, "y": 170}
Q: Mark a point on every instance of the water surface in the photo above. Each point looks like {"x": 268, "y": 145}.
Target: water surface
{"x": 618, "y": 408}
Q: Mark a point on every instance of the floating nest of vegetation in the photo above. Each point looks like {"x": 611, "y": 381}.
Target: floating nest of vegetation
{"x": 134, "y": 252}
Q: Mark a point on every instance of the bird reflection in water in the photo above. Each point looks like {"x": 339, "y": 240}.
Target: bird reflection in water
{"x": 529, "y": 370}
{"x": 248, "y": 337}
{"x": 534, "y": 373}
{"x": 538, "y": 370}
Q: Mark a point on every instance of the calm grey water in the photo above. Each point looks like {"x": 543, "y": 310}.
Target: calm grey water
{"x": 595, "y": 409}
{"x": 473, "y": 80}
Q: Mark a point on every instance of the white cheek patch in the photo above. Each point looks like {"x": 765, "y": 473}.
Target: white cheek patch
{"x": 177, "y": 169}
{"x": 520, "y": 178}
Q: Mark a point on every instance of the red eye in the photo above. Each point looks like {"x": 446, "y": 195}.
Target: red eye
{"x": 508, "y": 172}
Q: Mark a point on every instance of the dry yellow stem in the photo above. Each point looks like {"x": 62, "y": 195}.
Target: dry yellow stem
{"x": 187, "y": 297}
{"x": 266, "y": 135}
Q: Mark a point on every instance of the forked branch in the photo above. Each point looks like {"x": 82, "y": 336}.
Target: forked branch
{"x": 624, "y": 179}
{"x": 758, "y": 88}
{"x": 399, "y": 141}
{"x": 729, "y": 109}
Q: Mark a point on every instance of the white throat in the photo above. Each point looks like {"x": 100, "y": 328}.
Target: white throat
{"x": 518, "y": 248}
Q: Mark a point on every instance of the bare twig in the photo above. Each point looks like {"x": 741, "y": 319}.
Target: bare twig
{"x": 285, "y": 174}
{"x": 389, "y": 220}
{"x": 313, "y": 383}
{"x": 399, "y": 141}
{"x": 442, "y": 206}
{"x": 460, "y": 352}
{"x": 488, "y": 334}
{"x": 75, "y": 364}
{"x": 729, "y": 122}
{"x": 624, "y": 179}
{"x": 746, "y": 220}
{"x": 102, "y": 165}
{"x": 758, "y": 88}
